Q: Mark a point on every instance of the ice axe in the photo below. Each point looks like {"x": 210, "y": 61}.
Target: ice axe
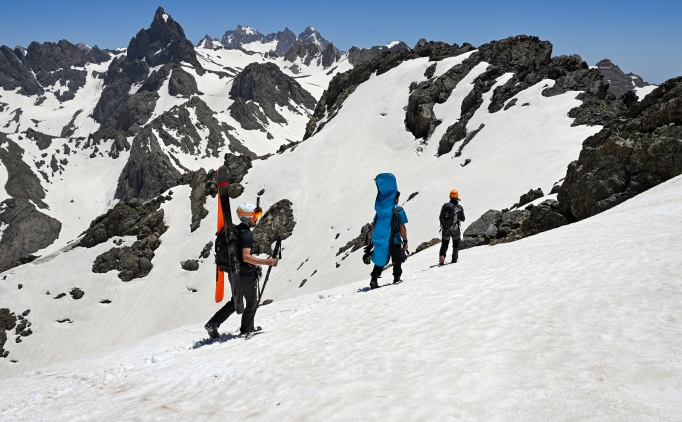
{"x": 277, "y": 254}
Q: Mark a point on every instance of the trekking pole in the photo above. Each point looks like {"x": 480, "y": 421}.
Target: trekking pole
{"x": 278, "y": 255}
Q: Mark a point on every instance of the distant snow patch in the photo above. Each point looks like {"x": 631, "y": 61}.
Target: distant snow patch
{"x": 392, "y": 44}
{"x": 644, "y": 91}
{"x": 165, "y": 17}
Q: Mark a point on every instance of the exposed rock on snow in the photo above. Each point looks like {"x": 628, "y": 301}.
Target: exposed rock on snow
{"x": 190, "y": 265}
{"x": 277, "y": 223}
{"x": 345, "y": 83}
{"x": 427, "y": 244}
{"x": 134, "y": 261}
{"x": 495, "y": 227}
{"x": 21, "y": 237}
{"x": 358, "y": 56}
{"x": 529, "y": 60}
{"x": 202, "y": 184}
{"x": 264, "y": 85}
{"x": 28, "y": 230}
{"x": 363, "y": 239}
{"x": 43, "y": 65}
{"x": 148, "y": 167}
{"x": 529, "y": 197}
{"x": 303, "y": 50}
{"x": 42, "y": 140}
{"x": 76, "y": 293}
{"x": 628, "y": 156}
{"x": 125, "y": 219}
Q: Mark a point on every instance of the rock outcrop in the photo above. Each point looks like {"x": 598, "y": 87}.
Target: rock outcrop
{"x": 628, "y": 156}
{"x": 143, "y": 220}
{"x": 264, "y": 85}
{"x": 8, "y": 321}
{"x": 344, "y": 84}
{"x": 40, "y": 66}
{"x": 148, "y": 167}
{"x": 358, "y": 56}
{"x": 619, "y": 81}
{"x": 277, "y": 223}
{"x": 495, "y": 227}
{"x": 359, "y": 242}
{"x": 530, "y": 61}
{"x": 20, "y": 237}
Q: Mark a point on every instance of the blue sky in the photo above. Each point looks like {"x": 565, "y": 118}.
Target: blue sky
{"x": 644, "y": 37}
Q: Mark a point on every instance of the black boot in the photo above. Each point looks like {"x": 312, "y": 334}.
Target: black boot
{"x": 212, "y": 329}
{"x": 373, "y": 283}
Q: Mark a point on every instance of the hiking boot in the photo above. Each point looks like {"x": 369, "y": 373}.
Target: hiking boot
{"x": 397, "y": 280}
{"x": 441, "y": 261}
{"x": 454, "y": 261}
{"x": 212, "y": 330}
{"x": 373, "y": 284}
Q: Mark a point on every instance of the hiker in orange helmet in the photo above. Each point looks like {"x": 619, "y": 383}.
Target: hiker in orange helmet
{"x": 451, "y": 214}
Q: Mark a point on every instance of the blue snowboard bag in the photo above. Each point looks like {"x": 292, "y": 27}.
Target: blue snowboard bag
{"x": 387, "y": 188}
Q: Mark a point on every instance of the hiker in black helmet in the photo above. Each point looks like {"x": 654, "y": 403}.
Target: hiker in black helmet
{"x": 398, "y": 248}
{"x": 451, "y": 214}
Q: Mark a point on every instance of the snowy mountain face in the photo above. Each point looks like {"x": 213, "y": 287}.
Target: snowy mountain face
{"x": 251, "y": 39}
{"x": 118, "y": 170}
{"x": 311, "y": 36}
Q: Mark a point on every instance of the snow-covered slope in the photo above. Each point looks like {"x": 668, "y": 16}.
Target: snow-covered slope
{"x": 329, "y": 179}
{"x": 571, "y": 324}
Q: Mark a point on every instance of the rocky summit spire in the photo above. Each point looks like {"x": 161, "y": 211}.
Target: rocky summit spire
{"x": 163, "y": 42}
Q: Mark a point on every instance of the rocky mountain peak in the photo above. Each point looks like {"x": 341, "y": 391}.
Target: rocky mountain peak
{"x": 619, "y": 81}
{"x": 83, "y": 47}
{"x": 311, "y": 36}
{"x": 210, "y": 43}
{"x": 234, "y": 39}
{"x": 163, "y": 42}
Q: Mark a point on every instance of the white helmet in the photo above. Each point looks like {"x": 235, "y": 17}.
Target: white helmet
{"x": 248, "y": 211}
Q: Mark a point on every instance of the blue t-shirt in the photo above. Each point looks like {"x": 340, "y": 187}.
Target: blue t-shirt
{"x": 402, "y": 219}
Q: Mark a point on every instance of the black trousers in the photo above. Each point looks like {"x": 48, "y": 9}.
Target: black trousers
{"x": 249, "y": 289}
{"x": 455, "y": 247}
{"x": 397, "y": 264}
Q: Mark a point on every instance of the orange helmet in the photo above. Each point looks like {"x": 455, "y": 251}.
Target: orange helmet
{"x": 454, "y": 194}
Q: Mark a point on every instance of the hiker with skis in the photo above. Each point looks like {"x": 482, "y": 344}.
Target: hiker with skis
{"x": 249, "y": 272}
{"x": 451, "y": 215}
{"x": 398, "y": 248}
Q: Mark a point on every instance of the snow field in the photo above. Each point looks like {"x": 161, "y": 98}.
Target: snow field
{"x": 578, "y": 323}
{"x": 95, "y": 179}
{"x": 52, "y": 115}
{"x": 138, "y": 308}
{"x": 329, "y": 178}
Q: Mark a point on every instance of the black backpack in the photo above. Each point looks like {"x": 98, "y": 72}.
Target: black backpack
{"x": 222, "y": 248}
{"x": 395, "y": 227}
{"x": 450, "y": 216}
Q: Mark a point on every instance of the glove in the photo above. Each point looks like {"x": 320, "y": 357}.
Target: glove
{"x": 367, "y": 256}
